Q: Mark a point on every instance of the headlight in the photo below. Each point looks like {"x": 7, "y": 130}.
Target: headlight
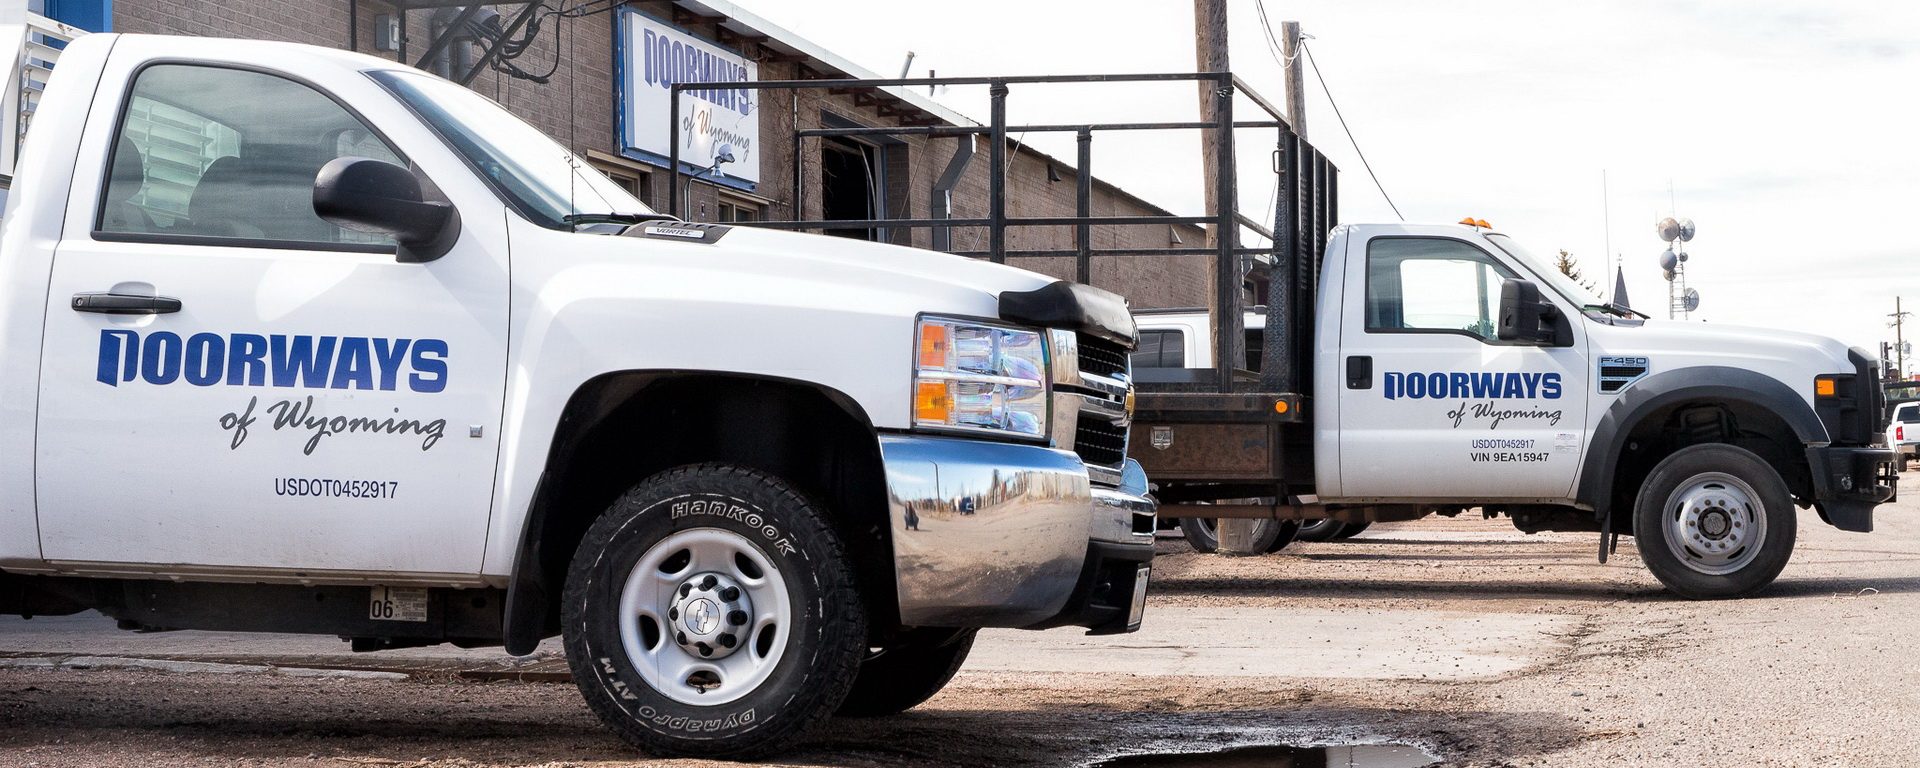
{"x": 971, "y": 376}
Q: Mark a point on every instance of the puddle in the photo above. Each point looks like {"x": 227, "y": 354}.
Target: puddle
{"x": 1338, "y": 756}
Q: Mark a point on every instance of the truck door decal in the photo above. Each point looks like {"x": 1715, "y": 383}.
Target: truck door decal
{"x": 247, "y": 359}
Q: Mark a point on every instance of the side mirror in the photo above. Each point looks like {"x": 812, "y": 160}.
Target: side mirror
{"x": 1524, "y": 317}
{"x": 367, "y": 195}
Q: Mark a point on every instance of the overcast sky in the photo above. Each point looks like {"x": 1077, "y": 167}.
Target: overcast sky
{"x": 1787, "y": 129}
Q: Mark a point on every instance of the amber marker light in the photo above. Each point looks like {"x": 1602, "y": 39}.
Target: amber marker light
{"x": 1280, "y": 406}
{"x": 1825, "y": 387}
{"x": 931, "y": 403}
{"x": 934, "y": 343}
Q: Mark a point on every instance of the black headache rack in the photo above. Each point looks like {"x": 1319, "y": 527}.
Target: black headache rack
{"x": 1231, "y": 431}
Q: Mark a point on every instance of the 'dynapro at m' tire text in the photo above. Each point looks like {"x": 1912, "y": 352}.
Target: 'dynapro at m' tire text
{"x": 711, "y": 612}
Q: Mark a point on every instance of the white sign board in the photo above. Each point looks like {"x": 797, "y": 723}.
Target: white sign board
{"x": 654, "y": 56}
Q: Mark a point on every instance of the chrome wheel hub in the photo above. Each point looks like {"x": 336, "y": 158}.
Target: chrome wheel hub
{"x": 1715, "y": 523}
{"x": 709, "y": 614}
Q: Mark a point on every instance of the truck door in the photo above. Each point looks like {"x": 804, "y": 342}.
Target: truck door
{"x": 1432, "y": 405}
{"x": 230, "y": 383}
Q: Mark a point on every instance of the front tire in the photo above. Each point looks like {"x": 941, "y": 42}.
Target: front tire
{"x": 711, "y": 612}
{"x": 1714, "y": 521}
{"x": 907, "y": 672}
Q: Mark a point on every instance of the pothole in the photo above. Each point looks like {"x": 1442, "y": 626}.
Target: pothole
{"x": 1283, "y": 756}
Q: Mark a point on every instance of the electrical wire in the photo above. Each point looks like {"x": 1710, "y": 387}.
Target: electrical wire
{"x": 1273, "y": 43}
{"x": 1349, "y": 131}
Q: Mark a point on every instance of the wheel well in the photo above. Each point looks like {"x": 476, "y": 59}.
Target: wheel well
{"x": 624, "y": 427}
{"x": 1672, "y": 427}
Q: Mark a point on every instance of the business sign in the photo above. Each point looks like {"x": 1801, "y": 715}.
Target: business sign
{"x": 653, "y": 56}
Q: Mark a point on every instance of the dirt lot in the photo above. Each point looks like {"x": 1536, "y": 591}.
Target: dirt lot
{"x": 1485, "y": 646}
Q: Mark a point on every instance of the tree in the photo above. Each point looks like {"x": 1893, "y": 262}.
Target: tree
{"x": 1570, "y": 267}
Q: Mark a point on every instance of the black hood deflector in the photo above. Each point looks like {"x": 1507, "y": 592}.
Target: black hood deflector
{"x": 1076, "y": 306}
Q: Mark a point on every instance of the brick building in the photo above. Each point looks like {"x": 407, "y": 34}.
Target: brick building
{"x": 593, "y": 75}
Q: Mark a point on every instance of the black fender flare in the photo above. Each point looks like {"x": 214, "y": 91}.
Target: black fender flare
{"x": 1646, "y": 396}
{"x": 531, "y": 592}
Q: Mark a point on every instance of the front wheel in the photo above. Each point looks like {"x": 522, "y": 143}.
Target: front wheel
{"x": 1714, "y": 521}
{"x": 712, "y": 612}
{"x": 907, "y": 671}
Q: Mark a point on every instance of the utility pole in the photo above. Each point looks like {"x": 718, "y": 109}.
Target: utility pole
{"x": 1210, "y": 55}
{"x": 1899, "y": 340}
{"x": 1296, "y": 78}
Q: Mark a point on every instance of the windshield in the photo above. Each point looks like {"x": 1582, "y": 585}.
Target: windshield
{"x": 1565, "y": 286}
{"x": 533, "y": 173}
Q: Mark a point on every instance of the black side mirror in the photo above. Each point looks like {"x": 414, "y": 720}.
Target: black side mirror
{"x": 1524, "y": 317}
{"x": 367, "y": 195}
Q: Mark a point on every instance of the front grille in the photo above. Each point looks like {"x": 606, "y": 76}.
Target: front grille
{"x": 1100, "y": 442}
{"x": 1101, "y": 357}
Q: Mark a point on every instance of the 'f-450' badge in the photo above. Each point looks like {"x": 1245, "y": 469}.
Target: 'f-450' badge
{"x": 1162, "y": 438}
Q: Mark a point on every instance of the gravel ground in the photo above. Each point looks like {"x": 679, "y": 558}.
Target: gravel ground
{"x": 1414, "y": 633}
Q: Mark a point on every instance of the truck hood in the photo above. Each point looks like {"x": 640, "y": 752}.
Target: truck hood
{"x": 878, "y": 265}
{"x": 1744, "y": 346}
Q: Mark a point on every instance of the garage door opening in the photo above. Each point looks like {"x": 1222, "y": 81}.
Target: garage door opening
{"x": 850, "y": 183}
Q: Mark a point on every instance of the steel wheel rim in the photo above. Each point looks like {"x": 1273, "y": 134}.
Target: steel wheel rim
{"x": 668, "y": 577}
{"x": 1715, "y": 523}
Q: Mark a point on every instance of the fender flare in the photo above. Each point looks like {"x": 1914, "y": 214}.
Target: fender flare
{"x": 1649, "y": 395}
{"x": 530, "y": 593}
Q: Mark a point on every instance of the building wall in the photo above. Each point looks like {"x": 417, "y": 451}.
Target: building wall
{"x": 576, "y": 106}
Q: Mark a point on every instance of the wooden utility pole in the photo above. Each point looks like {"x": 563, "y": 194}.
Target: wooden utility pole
{"x": 1296, "y": 78}
{"x": 1210, "y": 55}
{"x": 1899, "y": 340}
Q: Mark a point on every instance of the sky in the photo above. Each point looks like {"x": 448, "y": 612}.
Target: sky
{"x": 1788, "y": 131}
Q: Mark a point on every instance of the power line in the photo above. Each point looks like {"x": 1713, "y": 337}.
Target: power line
{"x": 1304, "y": 48}
{"x": 1273, "y": 43}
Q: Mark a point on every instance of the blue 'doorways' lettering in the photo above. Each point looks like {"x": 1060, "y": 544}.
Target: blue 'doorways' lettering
{"x": 1478, "y": 385}
{"x": 280, "y": 360}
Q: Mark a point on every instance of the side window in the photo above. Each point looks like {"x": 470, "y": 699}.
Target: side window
{"x": 1432, "y": 284}
{"x": 1160, "y": 349}
{"x": 226, "y": 153}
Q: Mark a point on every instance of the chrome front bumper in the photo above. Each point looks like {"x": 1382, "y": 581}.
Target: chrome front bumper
{"x": 1006, "y": 535}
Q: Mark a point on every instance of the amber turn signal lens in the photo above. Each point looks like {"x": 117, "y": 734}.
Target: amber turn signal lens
{"x": 1280, "y": 406}
{"x": 931, "y": 403}
{"x": 1824, "y": 387}
{"x": 934, "y": 342}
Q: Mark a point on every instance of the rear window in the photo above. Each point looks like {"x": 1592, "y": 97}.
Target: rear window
{"x": 1160, "y": 349}
{"x": 1907, "y": 413}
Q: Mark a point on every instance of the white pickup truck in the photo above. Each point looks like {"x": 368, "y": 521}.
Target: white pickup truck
{"x": 307, "y": 341}
{"x": 1449, "y": 369}
{"x": 1903, "y": 433}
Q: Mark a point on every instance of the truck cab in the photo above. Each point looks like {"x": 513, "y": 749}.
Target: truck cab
{"x": 1452, "y": 369}
{"x": 307, "y": 341}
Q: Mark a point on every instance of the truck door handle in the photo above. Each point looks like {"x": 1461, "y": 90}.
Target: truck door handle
{"x": 125, "y": 304}
{"x": 1359, "y": 372}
